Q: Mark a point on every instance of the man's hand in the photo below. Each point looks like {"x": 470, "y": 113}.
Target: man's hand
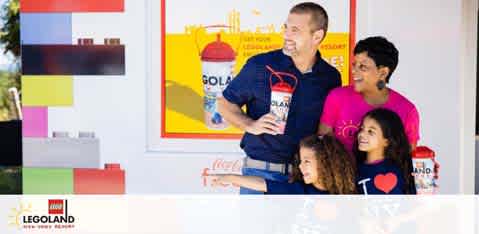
{"x": 266, "y": 124}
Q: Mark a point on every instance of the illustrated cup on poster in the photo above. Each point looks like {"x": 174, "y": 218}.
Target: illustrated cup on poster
{"x": 217, "y": 61}
{"x": 423, "y": 166}
{"x": 281, "y": 94}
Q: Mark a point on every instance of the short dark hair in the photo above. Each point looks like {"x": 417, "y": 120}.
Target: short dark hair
{"x": 319, "y": 16}
{"x": 382, "y": 51}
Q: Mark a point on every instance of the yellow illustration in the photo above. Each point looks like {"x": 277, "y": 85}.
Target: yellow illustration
{"x": 15, "y": 217}
{"x": 234, "y": 21}
{"x": 184, "y": 96}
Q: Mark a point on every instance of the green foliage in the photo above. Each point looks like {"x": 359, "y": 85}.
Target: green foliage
{"x": 7, "y": 80}
{"x": 10, "y": 180}
{"x": 10, "y": 40}
{"x": 10, "y": 32}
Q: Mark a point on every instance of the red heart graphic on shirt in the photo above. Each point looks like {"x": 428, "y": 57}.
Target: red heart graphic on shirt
{"x": 386, "y": 182}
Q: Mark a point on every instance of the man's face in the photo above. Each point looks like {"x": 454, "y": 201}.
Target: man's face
{"x": 298, "y": 36}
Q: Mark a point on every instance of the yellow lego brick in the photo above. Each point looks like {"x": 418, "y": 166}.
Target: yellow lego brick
{"x": 47, "y": 90}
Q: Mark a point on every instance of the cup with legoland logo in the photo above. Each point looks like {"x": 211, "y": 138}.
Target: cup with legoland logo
{"x": 423, "y": 168}
{"x": 281, "y": 94}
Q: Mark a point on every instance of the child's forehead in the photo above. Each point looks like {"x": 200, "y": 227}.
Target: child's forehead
{"x": 305, "y": 152}
{"x": 370, "y": 122}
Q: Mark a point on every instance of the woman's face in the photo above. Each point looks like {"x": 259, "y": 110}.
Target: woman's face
{"x": 365, "y": 73}
{"x": 308, "y": 165}
{"x": 370, "y": 137}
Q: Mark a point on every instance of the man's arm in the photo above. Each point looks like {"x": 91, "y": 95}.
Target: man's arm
{"x": 235, "y": 115}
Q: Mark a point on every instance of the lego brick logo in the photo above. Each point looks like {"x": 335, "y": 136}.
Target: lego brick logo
{"x": 55, "y": 207}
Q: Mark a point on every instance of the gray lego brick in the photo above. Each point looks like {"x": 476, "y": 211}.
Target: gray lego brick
{"x": 61, "y": 152}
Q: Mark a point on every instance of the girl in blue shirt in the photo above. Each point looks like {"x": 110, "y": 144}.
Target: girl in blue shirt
{"x": 322, "y": 167}
{"x": 383, "y": 154}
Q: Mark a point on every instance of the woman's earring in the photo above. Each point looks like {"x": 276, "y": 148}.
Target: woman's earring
{"x": 381, "y": 84}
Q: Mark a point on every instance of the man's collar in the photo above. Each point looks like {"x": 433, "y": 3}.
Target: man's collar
{"x": 287, "y": 61}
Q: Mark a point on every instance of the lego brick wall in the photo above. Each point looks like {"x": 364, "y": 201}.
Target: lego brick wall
{"x": 114, "y": 107}
{"x": 72, "y": 87}
{"x": 84, "y": 104}
{"x": 65, "y": 161}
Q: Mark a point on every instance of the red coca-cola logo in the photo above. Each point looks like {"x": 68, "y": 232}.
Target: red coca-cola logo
{"x": 225, "y": 165}
{"x": 220, "y": 166}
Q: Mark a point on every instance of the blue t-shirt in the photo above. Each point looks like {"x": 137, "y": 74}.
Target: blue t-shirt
{"x": 251, "y": 87}
{"x": 275, "y": 187}
{"x": 380, "y": 178}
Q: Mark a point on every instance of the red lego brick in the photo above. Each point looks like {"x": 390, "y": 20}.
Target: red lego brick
{"x": 55, "y": 206}
{"x": 72, "y": 6}
{"x": 110, "y": 180}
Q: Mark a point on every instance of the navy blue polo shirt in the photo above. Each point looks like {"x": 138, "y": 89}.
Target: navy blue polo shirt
{"x": 275, "y": 187}
{"x": 251, "y": 87}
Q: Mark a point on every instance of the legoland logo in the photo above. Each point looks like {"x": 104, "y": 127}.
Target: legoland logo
{"x": 57, "y": 217}
{"x": 220, "y": 166}
{"x": 55, "y": 206}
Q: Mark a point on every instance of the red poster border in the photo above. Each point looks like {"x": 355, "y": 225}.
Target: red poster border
{"x": 64, "y": 6}
{"x": 164, "y": 134}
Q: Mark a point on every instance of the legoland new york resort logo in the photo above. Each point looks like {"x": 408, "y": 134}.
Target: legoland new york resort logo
{"x": 57, "y": 217}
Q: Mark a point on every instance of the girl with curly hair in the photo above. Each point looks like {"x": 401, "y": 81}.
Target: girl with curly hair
{"x": 383, "y": 154}
{"x": 322, "y": 166}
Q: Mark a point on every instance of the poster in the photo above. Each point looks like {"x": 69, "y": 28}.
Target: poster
{"x": 242, "y": 28}
{"x": 177, "y": 36}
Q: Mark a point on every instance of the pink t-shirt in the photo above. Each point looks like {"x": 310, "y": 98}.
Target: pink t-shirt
{"x": 344, "y": 109}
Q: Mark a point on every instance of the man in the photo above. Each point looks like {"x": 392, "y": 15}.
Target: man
{"x": 269, "y": 153}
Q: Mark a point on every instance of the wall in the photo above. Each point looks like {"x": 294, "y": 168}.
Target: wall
{"x": 427, "y": 33}
{"x": 115, "y": 108}
{"x": 430, "y": 37}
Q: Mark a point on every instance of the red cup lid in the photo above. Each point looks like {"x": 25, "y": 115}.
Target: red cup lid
{"x": 423, "y": 152}
{"x": 218, "y": 51}
{"x": 282, "y": 87}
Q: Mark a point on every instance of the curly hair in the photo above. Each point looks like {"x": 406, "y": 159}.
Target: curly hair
{"x": 336, "y": 170}
{"x": 398, "y": 150}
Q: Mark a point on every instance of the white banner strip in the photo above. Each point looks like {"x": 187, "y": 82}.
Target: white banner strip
{"x": 239, "y": 214}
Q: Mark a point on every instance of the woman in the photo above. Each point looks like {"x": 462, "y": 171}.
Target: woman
{"x": 375, "y": 60}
